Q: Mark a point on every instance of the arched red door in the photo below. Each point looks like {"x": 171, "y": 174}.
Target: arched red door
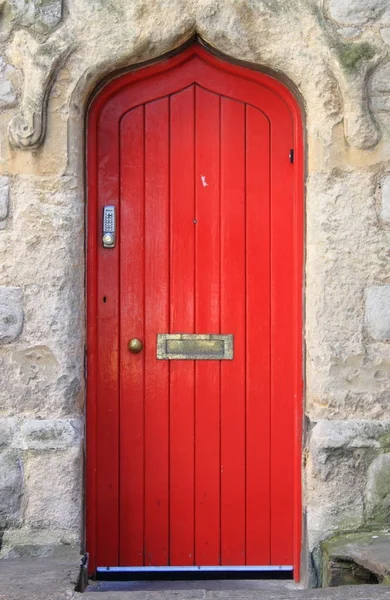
{"x": 193, "y": 440}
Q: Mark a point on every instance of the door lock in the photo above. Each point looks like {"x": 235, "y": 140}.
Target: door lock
{"x": 109, "y": 227}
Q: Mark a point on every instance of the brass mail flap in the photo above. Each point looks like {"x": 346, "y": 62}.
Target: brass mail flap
{"x": 193, "y": 346}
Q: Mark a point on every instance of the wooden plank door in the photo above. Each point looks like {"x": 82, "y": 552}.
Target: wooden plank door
{"x": 195, "y": 461}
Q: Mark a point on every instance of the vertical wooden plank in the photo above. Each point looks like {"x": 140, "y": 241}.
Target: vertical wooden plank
{"x": 182, "y": 320}
{"x": 131, "y": 242}
{"x": 257, "y": 338}
{"x": 233, "y": 321}
{"x": 299, "y": 177}
{"x": 282, "y": 340}
{"x": 92, "y": 371}
{"x": 156, "y": 321}
{"x": 107, "y": 350}
{"x": 207, "y": 314}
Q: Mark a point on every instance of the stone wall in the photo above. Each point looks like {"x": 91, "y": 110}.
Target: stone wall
{"x": 335, "y": 55}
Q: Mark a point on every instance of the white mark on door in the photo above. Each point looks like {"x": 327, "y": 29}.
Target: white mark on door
{"x": 203, "y": 178}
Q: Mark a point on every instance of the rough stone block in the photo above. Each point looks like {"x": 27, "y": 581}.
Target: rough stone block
{"x": 11, "y": 313}
{"x": 53, "y": 577}
{"x": 7, "y": 430}
{"x": 7, "y": 91}
{"x": 35, "y": 382}
{"x": 11, "y": 488}
{"x": 378, "y": 491}
{"x": 380, "y": 103}
{"x": 385, "y": 207}
{"x": 336, "y": 434}
{"x": 54, "y": 490}
{"x": 38, "y": 15}
{"x": 357, "y": 12}
{"x": 349, "y": 32}
{"x": 340, "y": 453}
{"x": 48, "y": 13}
{"x": 377, "y": 317}
{"x": 356, "y": 558}
{"x": 4, "y": 200}
{"x": 47, "y": 434}
{"x": 385, "y": 33}
{"x": 381, "y": 79}
{"x": 26, "y": 542}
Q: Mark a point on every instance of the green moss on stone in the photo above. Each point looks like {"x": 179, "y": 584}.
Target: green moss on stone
{"x": 333, "y": 545}
{"x": 45, "y": 2}
{"x": 351, "y": 54}
{"x": 380, "y": 512}
{"x": 384, "y": 440}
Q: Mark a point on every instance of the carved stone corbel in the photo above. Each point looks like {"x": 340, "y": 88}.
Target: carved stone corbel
{"x": 351, "y": 62}
{"x": 354, "y": 65}
{"x": 41, "y": 61}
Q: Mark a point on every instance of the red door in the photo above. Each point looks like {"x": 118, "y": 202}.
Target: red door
{"x": 194, "y": 462}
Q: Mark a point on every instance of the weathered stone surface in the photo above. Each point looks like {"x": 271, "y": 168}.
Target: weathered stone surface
{"x": 380, "y": 79}
{"x": 7, "y": 430}
{"x": 53, "y": 577}
{"x": 24, "y": 542}
{"x": 349, "y": 32}
{"x": 346, "y": 377}
{"x": 385, "y": 33}
{"x": 334, "y": 434}
{"x": 45, "y": 376}
{"x": 377, "y": 317}
{"x": 8, "y": 96}
{"x": 380, "y": 88}
{"x": 340, "y": 454}
{"x": 357, "y": 12}
{"x": 11, "y": 313}
{"x": 45, "y": 389}
{"x": 53, "y": 488}
{"x": 385, "y": 199}
{"x": 255, "y": 30}
{"x": 335, "y": 492}
{"x": 11, "y": 488}
{"x": 378, "y": 492}
{"x": 40, "y": 16}
{"x": 356, "y": 558}
{"x": 4, "y": 200}
{"x": 380, "y": 103}
{"x": 47, "y": 434}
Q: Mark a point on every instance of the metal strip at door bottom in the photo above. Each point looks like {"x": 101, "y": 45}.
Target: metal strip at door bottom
{"x": 195, "y": 569}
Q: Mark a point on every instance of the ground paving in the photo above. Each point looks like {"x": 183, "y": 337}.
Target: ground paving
{"x": 55, "y": 578}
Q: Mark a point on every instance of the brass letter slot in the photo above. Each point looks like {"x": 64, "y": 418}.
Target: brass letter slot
{"x": 188, "y": 346}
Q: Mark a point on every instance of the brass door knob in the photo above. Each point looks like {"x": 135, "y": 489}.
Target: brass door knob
{"x": 135, "y": 345}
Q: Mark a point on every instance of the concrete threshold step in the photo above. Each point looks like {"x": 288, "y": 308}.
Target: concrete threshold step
{"x": 55, "y": 578}
{"x": 366, "y": 592}
{"x": 228, "y": 590}
{"x": 357, "y": 558}
{"x": 48, "y": 577}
